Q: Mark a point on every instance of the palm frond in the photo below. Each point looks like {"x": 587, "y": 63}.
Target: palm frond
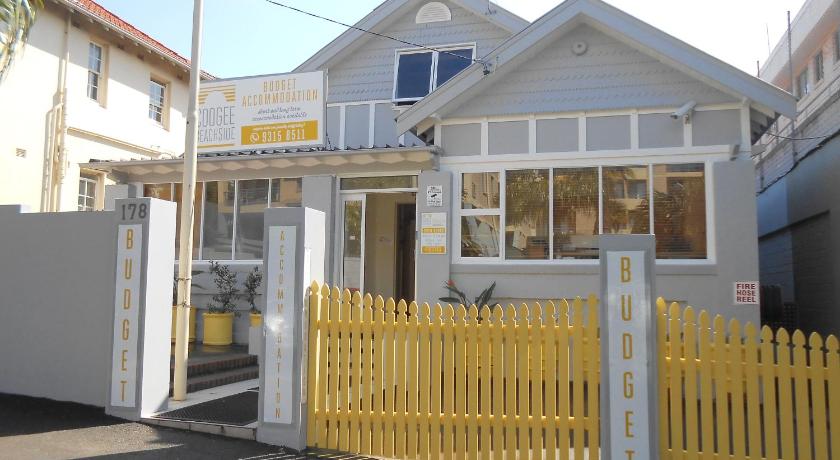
{"x": 16, "y": 20}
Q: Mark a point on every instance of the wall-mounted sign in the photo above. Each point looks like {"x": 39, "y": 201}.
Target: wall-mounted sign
{"x": 628, "y": 320}
{"x": 126, "y": 315}
{"x": 264, "y": 112}
{"x": 746, "y": 293}
{"x": 279, "y": 323}
{"x": 434, "y": 196}
{"x": 433, "y": 233}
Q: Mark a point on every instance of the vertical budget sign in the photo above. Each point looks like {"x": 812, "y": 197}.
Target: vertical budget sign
{"x": 126, "y": 315}
{"x": 628, "y": 348}
{"x": 279, "y": 322}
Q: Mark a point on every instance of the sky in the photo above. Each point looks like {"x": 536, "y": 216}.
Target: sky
{"x": 253, "y": 37}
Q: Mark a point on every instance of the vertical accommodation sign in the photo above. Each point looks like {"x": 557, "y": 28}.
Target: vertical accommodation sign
{"x": 279, "y": 321}
{"x": 628, "y": 367}
{"x": 126, "y": 315}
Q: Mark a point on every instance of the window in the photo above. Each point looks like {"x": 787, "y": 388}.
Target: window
{"x": 837, "y": 45}
{"x": 378, "y": 182}
{"x": 679, "y": 208}
{"x": 94, "y": 84}
{"x": 626, "y": 199}
{"x": 87, "y": 192}
{"x": 819, "y": 71}
{"x": 228, "y": 221}
{"x": 576, "y": 225}
{"x": 526, "y": 214}
{"x": 558, "y": 213}
{"x": 418, "y": 73}
{"x": 802, "y": 86}
{"x": 480, "y": 215}
{"x": 157, "y": 100}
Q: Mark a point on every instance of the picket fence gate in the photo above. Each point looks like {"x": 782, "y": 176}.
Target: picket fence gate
{"x": 398, "y": 380}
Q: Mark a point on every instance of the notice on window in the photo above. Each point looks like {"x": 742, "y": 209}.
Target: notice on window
{"x": 746, "y": 293}
{"x": 433, "y": 233}
{"x": 265, "y": 112}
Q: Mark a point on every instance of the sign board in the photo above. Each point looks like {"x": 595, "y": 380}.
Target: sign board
{"x": 628, "y": 354}
{"x": 433, "y": 233}
{"x": 746, "y": 293}
{"x": 126, "y": 315}
{"x": 279, "y": 323}
{"x": 264, "y": 112}
{"x": 434, "y": 196}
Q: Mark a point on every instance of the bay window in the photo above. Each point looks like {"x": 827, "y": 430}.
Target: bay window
{"x": 229, "y": 214}
{"x": 419, "y": 72}
{"x": 558, "y": 213}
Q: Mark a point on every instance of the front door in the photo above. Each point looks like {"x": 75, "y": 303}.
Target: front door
{"x": 353, "y": 242}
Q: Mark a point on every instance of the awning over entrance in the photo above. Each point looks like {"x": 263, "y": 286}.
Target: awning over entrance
{"x": 276, "y": 163}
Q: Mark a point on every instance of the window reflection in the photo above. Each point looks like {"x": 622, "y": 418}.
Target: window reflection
{"x": 526, "y": 214}
{"x": 218, "y": 220}
{"x": 576, "y": 213}
{"x": 480, "y": 191}
{"x": 199, "y": 190}
{"x": 252, "y": 199}
{"x": 679, "y": 211}
{"x": 626, "y": 204}
{"x": 480, "y": 236}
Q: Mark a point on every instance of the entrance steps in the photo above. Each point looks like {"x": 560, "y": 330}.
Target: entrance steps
{"x": 210, "y": 367}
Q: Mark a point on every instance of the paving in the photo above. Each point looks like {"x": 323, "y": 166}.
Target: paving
{"x": 37, "y": 428}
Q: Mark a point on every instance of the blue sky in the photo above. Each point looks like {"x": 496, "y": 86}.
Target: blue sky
{"x": 251, "y": 37}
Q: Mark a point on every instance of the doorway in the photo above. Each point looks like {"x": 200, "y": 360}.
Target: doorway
{"x": 379, "y": 243}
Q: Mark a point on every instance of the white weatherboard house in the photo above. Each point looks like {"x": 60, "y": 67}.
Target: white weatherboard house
{"x": 562, "y": 130}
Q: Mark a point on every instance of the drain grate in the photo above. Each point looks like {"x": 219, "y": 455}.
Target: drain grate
{"x": 238, "y": 410}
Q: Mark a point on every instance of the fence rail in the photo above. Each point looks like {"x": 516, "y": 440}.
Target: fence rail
{"x": 404, "y": 381}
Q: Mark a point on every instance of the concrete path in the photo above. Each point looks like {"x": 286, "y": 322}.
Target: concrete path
{"x": 34, "y": 428}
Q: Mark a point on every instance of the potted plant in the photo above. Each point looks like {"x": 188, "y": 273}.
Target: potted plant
{"x": 252, "y": 284}
{"x": 218, "y": 321}
{"x": 191, "y": 309}
{"x": 483, "y": 300}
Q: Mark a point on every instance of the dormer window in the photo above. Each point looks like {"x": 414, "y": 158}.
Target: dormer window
{"x": 419, "y": 72}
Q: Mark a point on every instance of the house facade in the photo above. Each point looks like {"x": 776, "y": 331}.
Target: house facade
{"x": 86, "y": 85}
{"x": 797, "y": 171}
{"x": 520, "y": 142}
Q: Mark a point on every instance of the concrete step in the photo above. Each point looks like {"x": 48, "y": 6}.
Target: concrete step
{"x": 208, "y": 365}
{"x": 219, "y": 378}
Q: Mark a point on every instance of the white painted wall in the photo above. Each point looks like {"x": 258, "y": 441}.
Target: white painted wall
{"x": 117, "y": 128}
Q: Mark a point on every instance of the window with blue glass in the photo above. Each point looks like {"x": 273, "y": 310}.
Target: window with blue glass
{"x": 419, "y": 72}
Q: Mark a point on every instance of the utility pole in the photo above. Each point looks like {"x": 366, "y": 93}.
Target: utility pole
{"x": 182, "y": 326}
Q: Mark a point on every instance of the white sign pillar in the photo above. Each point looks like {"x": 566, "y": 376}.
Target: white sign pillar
{"x": 293, "y": 242}
{"x": 145, "y": 241}
{"x": 629, "y": 425}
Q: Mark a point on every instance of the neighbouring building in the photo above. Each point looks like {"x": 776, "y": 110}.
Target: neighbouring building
{"x": 87, "y": 85}
{"x": 798, "y": 172}
{"x": 540, "y": 136}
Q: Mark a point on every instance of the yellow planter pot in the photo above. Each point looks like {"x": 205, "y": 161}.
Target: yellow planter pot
{"x": 218, "y": 328}
{"x": 192, "y": 323}
{"x": 256, "y": 319}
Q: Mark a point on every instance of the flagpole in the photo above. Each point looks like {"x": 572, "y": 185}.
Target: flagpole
{"x": 182, "y": 327}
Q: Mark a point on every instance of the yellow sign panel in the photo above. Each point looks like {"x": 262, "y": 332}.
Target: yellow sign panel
{"x": 275, "y": 133}
{"x": 434, "y": 249}
{"x": 434, "y": 230}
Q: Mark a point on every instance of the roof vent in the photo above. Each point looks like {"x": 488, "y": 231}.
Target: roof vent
{"x": 433, "y": 12}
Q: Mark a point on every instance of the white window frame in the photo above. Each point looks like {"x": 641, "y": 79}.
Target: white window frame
{"x": 803, "y": 90}
{"x": 819, "y": 66}
{"x": 457, "y": 212}
{"x": 101, "y": 73}
{"x": 91, "y": 185}
{"x": 164, "y": 106}
{"x": 433, "y": 84}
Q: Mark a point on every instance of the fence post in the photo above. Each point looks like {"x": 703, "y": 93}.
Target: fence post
{"x": 629, "y": 425}
{"x": 139, "y": 379}
{"x": 293, "y": 242}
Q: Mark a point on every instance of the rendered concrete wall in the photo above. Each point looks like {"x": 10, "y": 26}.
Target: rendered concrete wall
{"x": 57, "y": 302}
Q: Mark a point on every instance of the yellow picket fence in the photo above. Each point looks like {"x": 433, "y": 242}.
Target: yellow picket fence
{"x": 728, "y": 392}
{"x": 402, "y": 381}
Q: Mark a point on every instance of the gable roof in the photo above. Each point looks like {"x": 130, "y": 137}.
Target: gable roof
{"x": 764, "y": 97}
{"x": 388, "y": 9}
{"x": 106, "y": 18}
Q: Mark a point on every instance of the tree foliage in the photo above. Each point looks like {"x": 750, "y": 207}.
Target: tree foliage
{"x": 16, "y": 20}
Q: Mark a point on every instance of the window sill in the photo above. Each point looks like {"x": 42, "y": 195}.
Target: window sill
{"x": 583, "y": 267}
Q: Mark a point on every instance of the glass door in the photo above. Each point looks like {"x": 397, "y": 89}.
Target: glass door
{"x": 353, "y": 242}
